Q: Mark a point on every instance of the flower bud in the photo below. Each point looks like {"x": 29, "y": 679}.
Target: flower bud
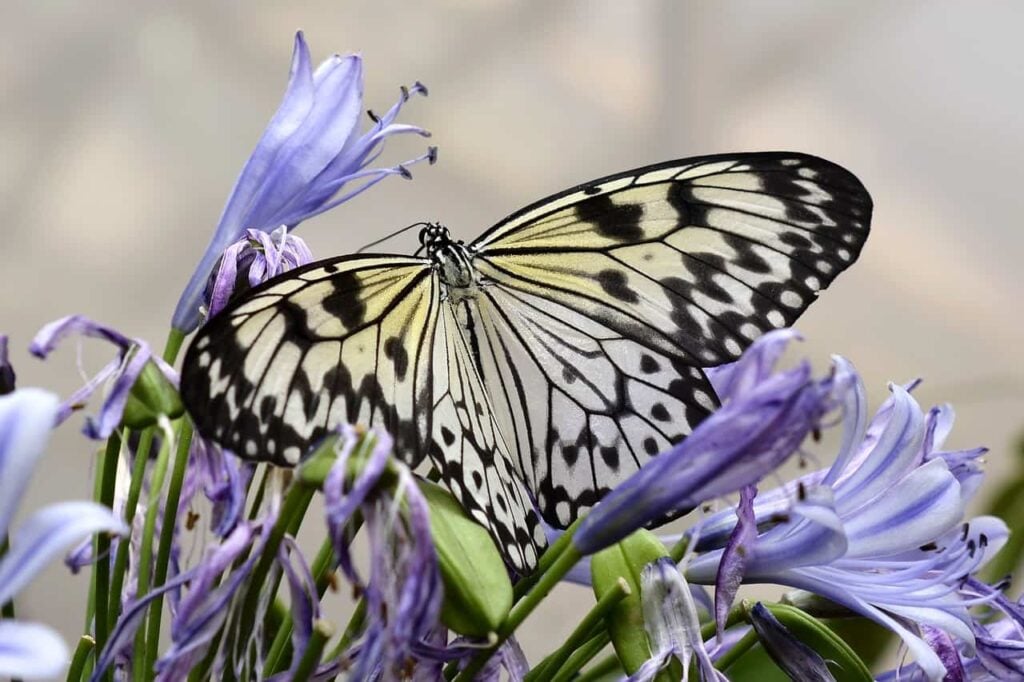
{"x": 626, "y": 560}
{"x": 152, "y": 395}
{"x": 477, "y": 589}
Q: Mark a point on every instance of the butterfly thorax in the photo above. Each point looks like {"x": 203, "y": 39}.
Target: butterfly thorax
{"x": 452, "y": 259}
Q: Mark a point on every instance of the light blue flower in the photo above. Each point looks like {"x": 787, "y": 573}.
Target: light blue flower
{"x": 880, "y": 532}
{"x": 306, "y": 162}
{"x": 27, "y": 416}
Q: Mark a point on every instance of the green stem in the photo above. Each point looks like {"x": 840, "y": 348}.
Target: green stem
{"x": 131, "y": 503}
{"x": 546, "y": 560}
{"x": 86, "y": 646}
{"x": 140, "y": 672}
{"x": 601, "y": 670}
{"x": 582, "y": 656}
{"x": 679, "y": 549}
{"x": 101, "y": 566}
{"x": 583, "y": 632}
{"x": 734, "y": 652}
{"x": 352, "y": 630}
{"x": 163, "y": 556}
{"x": 322, "y": 631}
{"x": 174, "y": 340}
{"x": 560, "y": 565}
{"x": 257, "y": 500}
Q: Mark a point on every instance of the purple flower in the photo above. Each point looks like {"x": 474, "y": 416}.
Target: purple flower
{"x": 253, "y": 259}
{"x": 27, "y": 417}
{"x": 403, "y": 592}
{"x": 224, "y": 480}
{"x": 754, "y": 431}
{"x": 879, "y": 532}
{"x": 672, "y": 623}
{"x": 123, "y": 370}
{"x": 6, "y": 371}
{"x": 311, "y": 151}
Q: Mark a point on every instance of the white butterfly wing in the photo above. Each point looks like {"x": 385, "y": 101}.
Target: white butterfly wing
{"x": 600, "y": 304}
{"x": 342, "y": 341}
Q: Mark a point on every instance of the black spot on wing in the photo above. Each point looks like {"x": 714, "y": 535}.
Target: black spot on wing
{"x": 395, "y": 351}
{"x": 619, "y": 222}
{"x": 616, "y": 285}
{"x": 342, "y": 301}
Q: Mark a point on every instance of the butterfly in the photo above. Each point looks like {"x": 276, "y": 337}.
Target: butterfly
{"x": 545, "y": 362}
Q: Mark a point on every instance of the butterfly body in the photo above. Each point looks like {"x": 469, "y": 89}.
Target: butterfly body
{"x": 546, "y": 361}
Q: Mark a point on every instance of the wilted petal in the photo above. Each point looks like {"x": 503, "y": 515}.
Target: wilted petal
{"x": 796, "y": 659}
{"x": 672, "y": 622}
{"x": 31, "y": 651}
{"x": 305, "y": 602}
{"x": 47, "y": 534}
{"x": 26, "y": 419}
{"x": 734, "y": 558}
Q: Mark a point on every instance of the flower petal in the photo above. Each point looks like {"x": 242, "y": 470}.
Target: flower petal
{"x": 47, "y": 534}
{"x": 754, "y": 366}
{"x": 27, "y": 417}
{"x": 922, "y": 506}
{"x": 31, "y": 651}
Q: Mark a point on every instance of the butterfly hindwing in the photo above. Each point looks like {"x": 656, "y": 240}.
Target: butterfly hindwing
{"x": 471, "y": 451}
{"x": 583, "y": 405}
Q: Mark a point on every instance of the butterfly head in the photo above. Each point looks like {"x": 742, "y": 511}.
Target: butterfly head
{"x": 434, "y": 237}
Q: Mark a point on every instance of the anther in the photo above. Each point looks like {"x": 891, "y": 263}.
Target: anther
{"x": 431, "y": 155}
{"x": 404, "y": 172}
{"x": 373, "y": 117}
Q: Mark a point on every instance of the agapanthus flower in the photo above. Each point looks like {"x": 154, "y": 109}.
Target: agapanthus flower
{"x": 253, "y": 259}
{"x": 672, "y": 623}
{"x": 757, "y": 429}
{"x": 27, "y": 416}
{"x": 403, "y": 591}
{"x": 879, "y": 532}
{"x": 122, "y": 371}
{"x": 312, "y": 157}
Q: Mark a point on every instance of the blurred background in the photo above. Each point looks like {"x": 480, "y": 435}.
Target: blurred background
{"x": 123, "y": 126}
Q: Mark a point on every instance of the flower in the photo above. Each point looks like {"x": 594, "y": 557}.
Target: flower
{"x": 747, "y": 438}
{"x": 311, "y": 150}
{"x": 124, "y": 370}
{"x": 403, "y": 593}
{"x": 672, "y": 623}
{"x": 253, "y": 259}
{"x": 27, "y": 417}
{"x": 880, "y": 531}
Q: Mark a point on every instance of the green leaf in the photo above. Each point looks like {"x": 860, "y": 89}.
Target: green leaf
{"x": 477, "y": 590}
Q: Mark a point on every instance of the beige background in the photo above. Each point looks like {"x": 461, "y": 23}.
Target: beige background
{"x": 124, "y": 124}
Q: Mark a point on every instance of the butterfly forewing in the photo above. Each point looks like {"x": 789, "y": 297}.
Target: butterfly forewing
{"x": 341, "y": 341}
{"x": 600, "y": 304}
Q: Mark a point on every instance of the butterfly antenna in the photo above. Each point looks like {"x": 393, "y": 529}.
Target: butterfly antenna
{"x": 393, "y": 234}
